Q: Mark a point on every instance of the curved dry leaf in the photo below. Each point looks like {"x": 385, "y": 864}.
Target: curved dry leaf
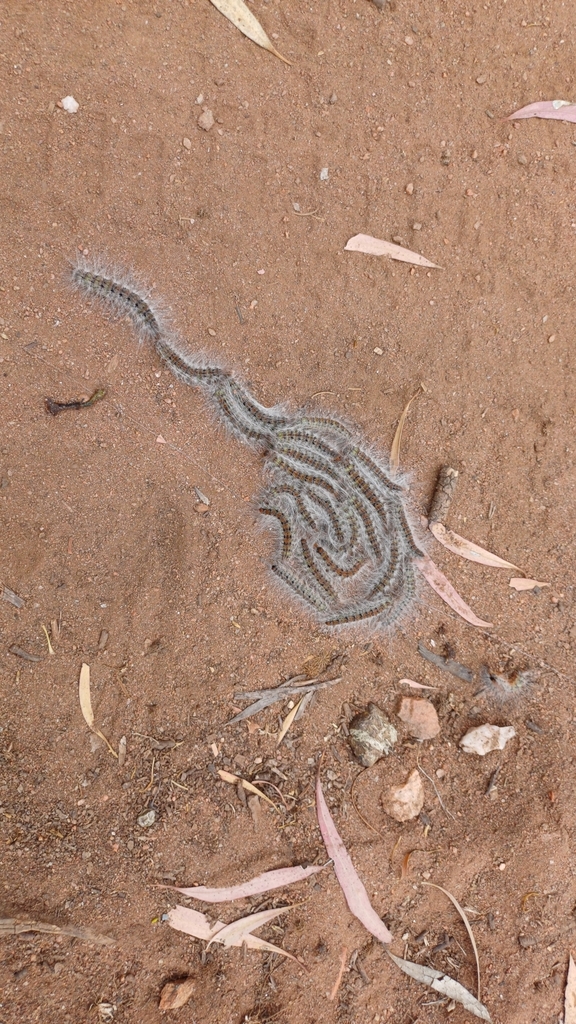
{"x": 444, "y": 984}
{"x": 519, "y": 583}
{"x": 192, "y": 922}
{"x": 353, "y": 889}
{"x": 467, "y": 548}
{"x": 84, "y": 695}
{"x": 556, "y": 110}
{"x": 395, "y": 449}
{"x": 288, "y": 721}
{"x": 241, "y": 16}
{"x": 437, "y": 580}
{"x": 86, "y": 706}
{"x": 235, "y": 779}
{"x": 378, "y": 247}
{"x": 261, "y": 883}
{"x": 235, "y": 933}
{"x": 416, "y": 686}
{"x": 466, "y": 925}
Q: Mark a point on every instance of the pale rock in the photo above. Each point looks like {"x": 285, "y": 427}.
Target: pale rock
{"x": 206, "y": 120}
{"x": 405, "y": 802}
{"x": 69, "y": 104}
{"x": 420, "y": 717}
{"x": 486, "y": 738}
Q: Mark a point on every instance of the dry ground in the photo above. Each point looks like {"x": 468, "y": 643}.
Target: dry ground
{"x": 99, "y": 521}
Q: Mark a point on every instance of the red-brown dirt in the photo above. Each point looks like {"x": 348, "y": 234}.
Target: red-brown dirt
{"x": 100, "y": 528}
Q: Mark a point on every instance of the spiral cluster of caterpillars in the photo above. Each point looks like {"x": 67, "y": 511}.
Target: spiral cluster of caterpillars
{"x": 344, "y": 545}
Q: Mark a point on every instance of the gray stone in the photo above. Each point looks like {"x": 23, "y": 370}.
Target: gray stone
{"x": 372, "y": 735}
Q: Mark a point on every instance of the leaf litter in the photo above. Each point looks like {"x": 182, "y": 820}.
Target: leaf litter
{"x": 230, "y": 777}
{"x": 265, "y": 698}
{"x": 350, "y": 883}
{"x": 443, "y": 984}
{"x": 395, "y": 449}
{"x": 437, "y": 580}
{"x": 467, "y": 548}
{"x": 358, "y": 902}
{"x": 238, "y": 933}
{"x": 265, "y": 882}
{"x": 378, "y": 247}
{"x": 555, "y": 110}
{"x": 86, "y": 706}
{"x": 519, "y": 583}
{"x": 241, "y": 16}
{"x": 466, "y": 925}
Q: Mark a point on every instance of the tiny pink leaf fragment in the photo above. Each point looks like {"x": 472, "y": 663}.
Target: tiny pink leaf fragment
{"x": 378, "y": 247}
{"x": 467, "y": 548}
{"x": 570, "y": 994}
{"x": 437, "y": 580}
{"x": 261, "y": 883}
{"x": 556, "y": 110}
{"x": 414, "y": 685}
{"x": 519, "y": 583}
{"x": 353, "y": 889}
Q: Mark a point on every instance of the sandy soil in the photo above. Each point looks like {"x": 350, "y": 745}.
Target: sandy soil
{"x": 101, "y": 529}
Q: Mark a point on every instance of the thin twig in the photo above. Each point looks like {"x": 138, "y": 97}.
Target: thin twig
{"x": 467, "y": 925}
{"x": 442, "y": 805}
{"x": 355, "y": 806}
{"x": 338, "y": 981}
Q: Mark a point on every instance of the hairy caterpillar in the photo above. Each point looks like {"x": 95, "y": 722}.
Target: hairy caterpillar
{"x": 352, "y": 561}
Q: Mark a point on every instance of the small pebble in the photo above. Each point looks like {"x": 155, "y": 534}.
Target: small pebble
{"x": 481, "y": 79}
{"x": 409, "y": 189}
{"x": 526, "y": 941}
{"x": 378, "y": 352}
{"x": 187, "y": 144}
{"x": 324, "y": 174}
{"x": 211, "y": 332}
{"x": 69, "y": 104}
{"x": 486, "y": 738}
{"x": 420, "y": 717}
{"x": 206, "y": 120}
{"x": 522, "y": 160}
{"x": 405, "y": 802}
{"x": 147, "y": 819}
{"x": 333, "y": 98}
{"x": 371, "y": 735}
{"x": 417, "y": 226}
{"x": 202, "y": 509}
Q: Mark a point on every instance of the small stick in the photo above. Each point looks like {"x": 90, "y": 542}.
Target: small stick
{"x": 443, "y": 494}
{"x": 54, "y": 407}
{"x": 493, "y": 780}
{"x": 338, "y": 981}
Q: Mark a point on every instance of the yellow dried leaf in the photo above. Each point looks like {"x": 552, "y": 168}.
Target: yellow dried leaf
{"x": 235, "y": 779}
{"x": 288, "y": 722}
{"x": 241, "y": 16}
{"x": 86, "y": 706}
{"x": 84, "y": 694}
{"x": 395, "y": 450}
